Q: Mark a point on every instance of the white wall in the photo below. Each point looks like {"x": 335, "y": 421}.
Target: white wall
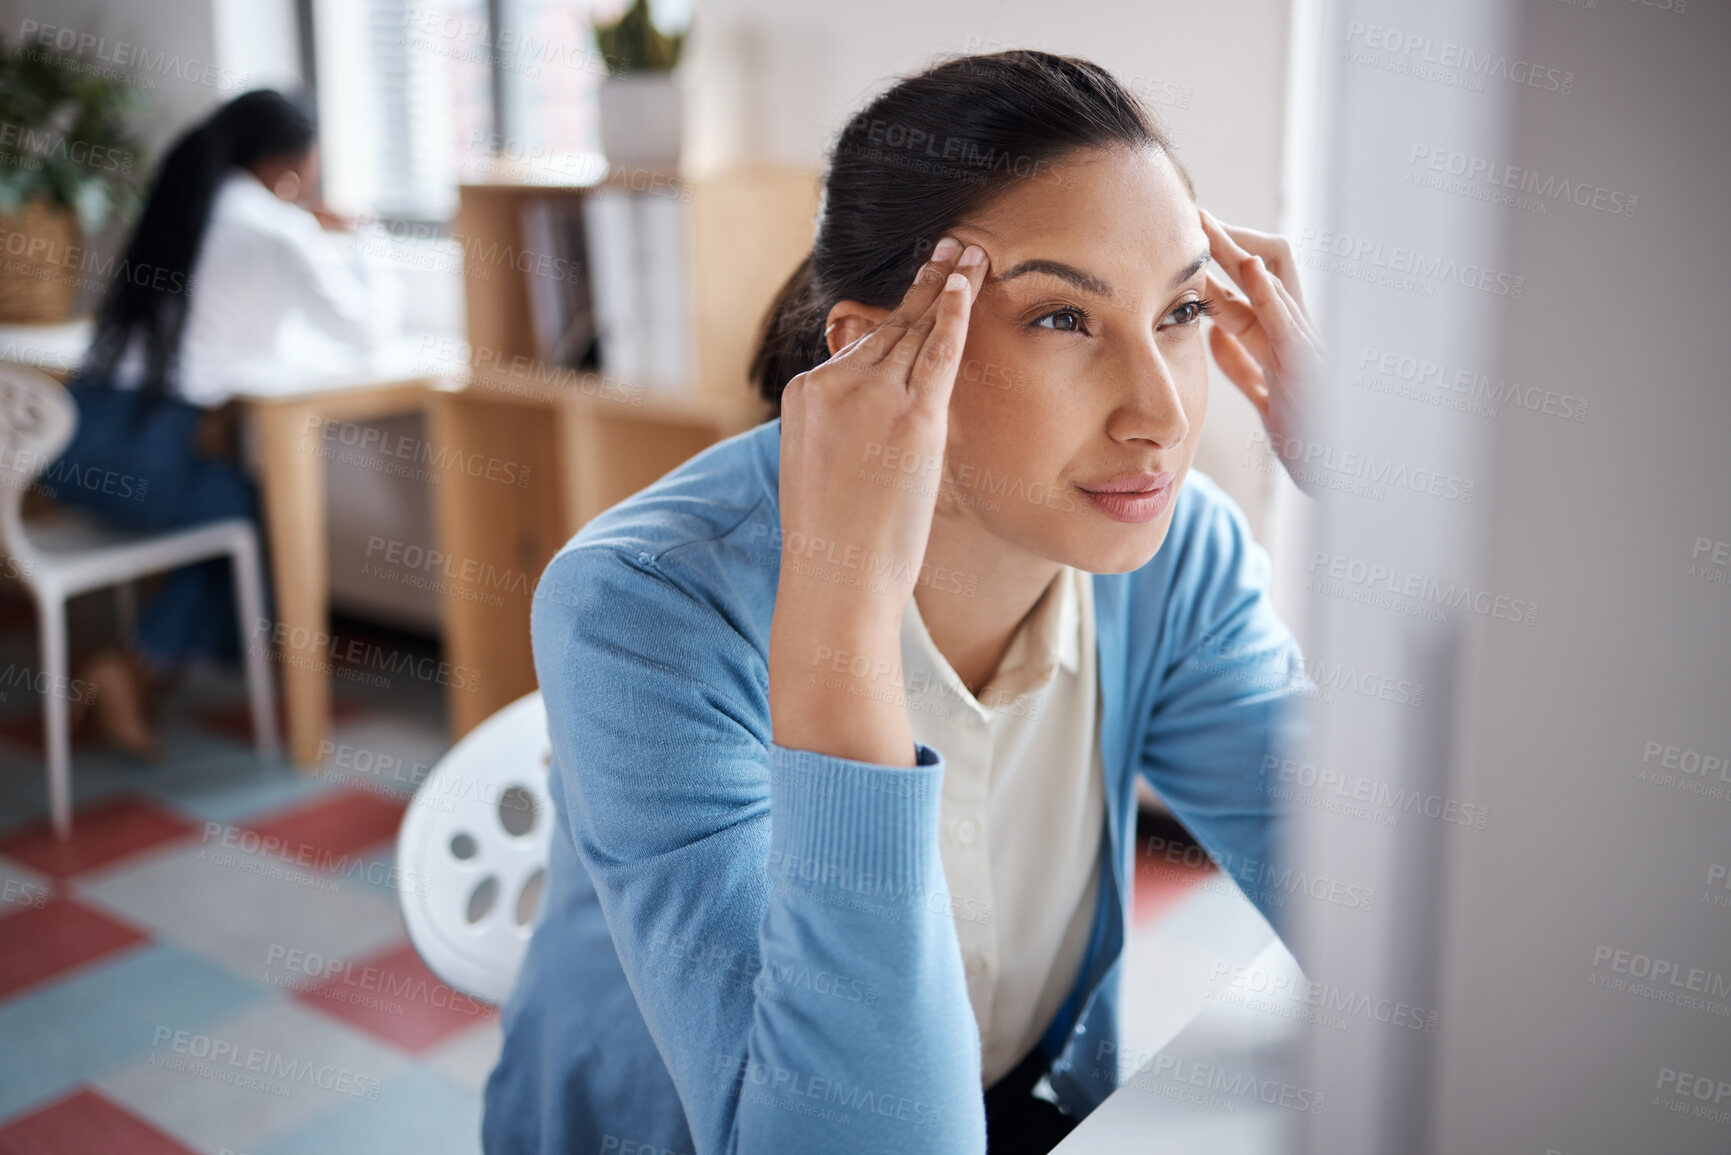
{"x": 774, "y": 80}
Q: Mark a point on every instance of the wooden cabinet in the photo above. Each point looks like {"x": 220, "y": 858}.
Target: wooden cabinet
{"x": 534, "y": 452}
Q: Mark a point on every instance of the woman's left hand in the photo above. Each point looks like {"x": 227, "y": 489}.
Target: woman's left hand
{"x": 1267, "y": 346}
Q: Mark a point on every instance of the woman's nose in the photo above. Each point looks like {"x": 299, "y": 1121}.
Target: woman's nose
{"x": 1153, "y": 406}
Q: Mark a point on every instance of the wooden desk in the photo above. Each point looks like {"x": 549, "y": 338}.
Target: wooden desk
{"x": 287, "y": 428}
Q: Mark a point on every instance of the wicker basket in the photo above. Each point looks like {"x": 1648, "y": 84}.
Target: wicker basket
{"x": 39, "y": 262}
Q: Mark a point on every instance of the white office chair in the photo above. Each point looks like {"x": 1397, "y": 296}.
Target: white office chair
{"x": 68, "y": 553}
{"x": 472, "y": 852}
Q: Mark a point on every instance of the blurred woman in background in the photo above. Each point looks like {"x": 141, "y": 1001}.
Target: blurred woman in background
{"x": 230, "y": 263}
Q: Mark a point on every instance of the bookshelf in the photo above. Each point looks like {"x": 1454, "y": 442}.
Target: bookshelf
{"x": 585, "y": 439}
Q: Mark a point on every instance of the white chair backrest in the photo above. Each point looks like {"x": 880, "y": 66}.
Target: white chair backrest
{"x": 472, "y": 851}
{"x": 37, "y": 420}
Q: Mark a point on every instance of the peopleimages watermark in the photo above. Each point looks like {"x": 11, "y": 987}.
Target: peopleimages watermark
{"x": 1400, "y": 267}
{"x": 266, "y": 854}
{"x": 621, "y": 1146}
{"x": 521, "y": 374}
{"x": 424, "y": 568}
{"x": 922, "y": 691}
{"x": 1268, "y": 883}
{"x": 43, "y": 259}
{"x": 1426, "y": 58}
{"x": 1354, "y": 472}
{"x": 1399, "y": 590}
{"x": 254, "y": 1068}
{"x": 1699, "y": 1096}
{"x": 336, "y": 980}
{"x": 17, "y": 892}
{"x": 808, "y": 871}
{"x": 925, "y": 474}
{"x": 1355, "y": 796}
{"x": 1718, "y": 891}
{"x": 1465, "y": 390}
{"x": 514, "y": 49}
{"x": 829, "y": 1098}
{"x": 1205, "y": 1084}
{"x": 1295, "y": 997}
{"x": 1710, "y": 561}
{"x": 1681, "y": 768}
{"x": 353, "y": 658}
{"x": 48, "y": 476}
{"x": 721, "y": 965}
{"x": 44, "y": 685}
{"x": 1482, "y": 178}
{"x": 34, "y": 145}
{"x": 370, "y": 439}
{"x": 510, "y": 154}
{"x": 1660, "y": 979}
{"x": 124, "y": 61}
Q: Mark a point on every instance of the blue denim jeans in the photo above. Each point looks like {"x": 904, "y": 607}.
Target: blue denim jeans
{"x": 134, "y": 462}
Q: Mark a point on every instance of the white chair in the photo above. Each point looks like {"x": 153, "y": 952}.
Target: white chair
{"x": 472, "y": 852}
{"x": 68, "y": 553}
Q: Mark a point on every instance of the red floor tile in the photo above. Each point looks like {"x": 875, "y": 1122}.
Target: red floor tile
{"x": 342, "y": 822}
{"x": 43, "y": 942}
{"x": 395, "y": 997}
{"x": 24, "y": 729}
{"x": 85, "y": 1123}
{"x": 102, "y": 832}
{"x": 1160, "y": 884}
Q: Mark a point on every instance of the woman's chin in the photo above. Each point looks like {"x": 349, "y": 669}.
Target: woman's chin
{"x": 1121, "y": 549}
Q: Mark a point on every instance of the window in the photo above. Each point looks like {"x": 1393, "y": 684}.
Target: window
{"x": 416, "y": 97}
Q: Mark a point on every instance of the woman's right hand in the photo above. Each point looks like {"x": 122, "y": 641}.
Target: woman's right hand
{"x": 862, "y": 447}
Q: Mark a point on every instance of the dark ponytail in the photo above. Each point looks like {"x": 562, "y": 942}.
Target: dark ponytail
{"x": 151, "y": 292}
{"x": 919, "y": 159}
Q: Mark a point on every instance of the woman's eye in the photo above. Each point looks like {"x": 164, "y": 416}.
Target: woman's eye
{"x": 1063, "y": 320}
{"x": 1187, "y": 313}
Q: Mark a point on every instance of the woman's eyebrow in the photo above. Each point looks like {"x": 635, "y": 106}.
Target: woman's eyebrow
{"x": 1192, "y": 268}
{"x": 1088, "y": 282}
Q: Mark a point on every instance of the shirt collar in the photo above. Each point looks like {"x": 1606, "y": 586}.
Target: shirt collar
{"x": 1049, "y": 639}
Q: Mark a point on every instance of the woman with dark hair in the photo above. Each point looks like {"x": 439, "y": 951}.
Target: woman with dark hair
{"x": 847, "y": 712}
{"x": 222, "y": 262}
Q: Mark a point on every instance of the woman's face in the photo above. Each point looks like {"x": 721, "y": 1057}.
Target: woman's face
{"x": 1084, "y": 380}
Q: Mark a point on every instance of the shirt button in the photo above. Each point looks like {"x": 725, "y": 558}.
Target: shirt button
{"x": 974, "y": 966}
{"x": 967, "y": 830}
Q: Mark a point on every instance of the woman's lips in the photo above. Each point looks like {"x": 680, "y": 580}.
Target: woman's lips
{"x": 1134, "y": 500}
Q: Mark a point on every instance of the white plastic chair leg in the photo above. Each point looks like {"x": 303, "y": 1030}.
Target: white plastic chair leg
{"x": 126, "y": 608}
{"x": 249, "y": 600}
{"x": 51, "y": 628}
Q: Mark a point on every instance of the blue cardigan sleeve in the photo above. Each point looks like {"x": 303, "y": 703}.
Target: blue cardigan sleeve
{"x": 768, "y": 905}
{"x": 1229, "y": 703}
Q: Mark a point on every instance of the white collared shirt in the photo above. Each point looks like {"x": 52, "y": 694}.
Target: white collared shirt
{"x": 275, "y": 299}
{"x": 1023, "y": 811}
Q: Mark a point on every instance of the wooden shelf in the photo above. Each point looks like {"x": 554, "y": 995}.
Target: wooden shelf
{"x": 584, "y": 440}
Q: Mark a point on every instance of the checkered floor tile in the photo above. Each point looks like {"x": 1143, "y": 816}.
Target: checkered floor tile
{"x": 215, "y": 962}
{"x": 194, "y": 970}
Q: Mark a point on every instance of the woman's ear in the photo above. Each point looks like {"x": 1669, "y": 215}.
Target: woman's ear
{"x": 848, "y": 321}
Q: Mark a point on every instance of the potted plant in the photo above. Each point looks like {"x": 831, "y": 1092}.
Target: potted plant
{"x": 642, "y": 115}
{"x": 68, "y": 162}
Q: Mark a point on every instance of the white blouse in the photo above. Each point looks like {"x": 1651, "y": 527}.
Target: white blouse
{"x": 1023, "y": 811}
{"x": 276, "y": 300}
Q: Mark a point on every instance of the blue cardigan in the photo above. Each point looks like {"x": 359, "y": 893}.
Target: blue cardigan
{"x": 747, "y": 948}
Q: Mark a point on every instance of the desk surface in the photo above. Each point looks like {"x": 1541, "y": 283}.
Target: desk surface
{"x": 54, "y": 348}
{"x": 1190, "y": 1059}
